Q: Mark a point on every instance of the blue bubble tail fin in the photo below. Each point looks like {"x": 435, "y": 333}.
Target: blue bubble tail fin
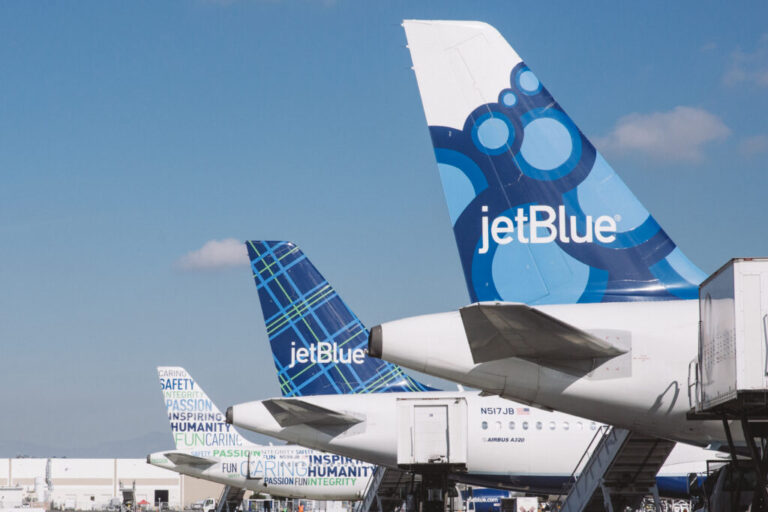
{"x": 318, "y": 344}
{"x": 539, "y": 216}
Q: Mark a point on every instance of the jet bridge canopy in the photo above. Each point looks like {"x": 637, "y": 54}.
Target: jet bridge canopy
{"x": 730, "y": 375}
{"x": 732, "y": 366}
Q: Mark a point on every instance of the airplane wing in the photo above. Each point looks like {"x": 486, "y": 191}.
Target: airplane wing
{"x": 500, "y": 330}
{"x": 291, "y": 411}
{"x": 189, "y": 460}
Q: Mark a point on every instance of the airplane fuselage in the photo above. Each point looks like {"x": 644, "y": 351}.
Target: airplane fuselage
{"x": 285, "y": 471}
{"x": 509, "y": 445}
{"x": 646, "y": 389}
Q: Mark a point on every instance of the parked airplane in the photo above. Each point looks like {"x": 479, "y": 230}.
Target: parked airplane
{"x": 337, "y": 399}
{"x": 540, "y": 218}
{"x": 209, "y": 448}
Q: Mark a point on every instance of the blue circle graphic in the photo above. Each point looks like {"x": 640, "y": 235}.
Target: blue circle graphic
{"x": 493, "y": 133}
{"x": 551, "y": 145}
{"x": 527, "y": 81}
{"x": 547, "y": 144}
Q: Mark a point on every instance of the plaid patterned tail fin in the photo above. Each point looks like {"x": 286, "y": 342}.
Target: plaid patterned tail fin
{"x": 318, "y": 344}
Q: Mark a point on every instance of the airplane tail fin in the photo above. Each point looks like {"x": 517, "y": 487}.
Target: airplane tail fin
{"x": 196, "y": 423}
{"x": 539, "y": 216}
{"x": 318, "y": 344}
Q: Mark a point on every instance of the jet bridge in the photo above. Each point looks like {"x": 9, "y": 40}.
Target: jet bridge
{"x": 432, "y": 442}
{"x": 728, "y": 381}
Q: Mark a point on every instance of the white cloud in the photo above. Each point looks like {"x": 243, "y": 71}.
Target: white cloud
{"x": 754, "y": 145}
{"x": 215, "y": 254}
{"x": 680, "y": 134}
{"x": 749, "y": 68}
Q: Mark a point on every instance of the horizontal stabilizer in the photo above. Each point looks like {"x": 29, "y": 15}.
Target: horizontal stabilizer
{"x": 290, "y": 412}
{"x": 186, "y": 459}
{"x": 500, "y": 330}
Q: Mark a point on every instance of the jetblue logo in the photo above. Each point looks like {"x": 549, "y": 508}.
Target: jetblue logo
{"x": 558, "y": 226}
{"x": 325, "y": 352}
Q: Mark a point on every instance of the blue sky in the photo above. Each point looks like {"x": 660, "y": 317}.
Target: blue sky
{"x": 132, "y": 134}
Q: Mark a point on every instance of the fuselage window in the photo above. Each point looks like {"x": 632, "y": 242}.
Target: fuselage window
{"x": 551, "y": 425}
{"x": 593, "y": 426}
{"x": 525, "y": 425}
{"x": 511, "y": 425}
{"x": 538, "y": 425}
{"x": 485, "y": 425}
{"x": 566, "y": 426}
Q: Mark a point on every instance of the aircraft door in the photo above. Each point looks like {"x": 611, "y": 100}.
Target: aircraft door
{"x": 431, "y": 433}
{"x": 254, "y": 467}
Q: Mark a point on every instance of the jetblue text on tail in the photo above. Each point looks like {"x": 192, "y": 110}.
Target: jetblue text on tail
{"x": 318, "y": 344}
{"x": 557, "y": 225}
{"x": 325, "y": 352}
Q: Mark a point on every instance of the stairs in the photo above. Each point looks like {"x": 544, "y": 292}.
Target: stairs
{"x": 620, "y": 472}
{"x": 230, "y": 499}
{"x": 129, "y": 496}
{"x": 383, "y": 490}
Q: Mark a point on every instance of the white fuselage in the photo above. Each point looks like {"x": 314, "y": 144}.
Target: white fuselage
{"x": 508, "y": 444}
{"x": 646, "y": 389}
{"x": 285, "y": 471}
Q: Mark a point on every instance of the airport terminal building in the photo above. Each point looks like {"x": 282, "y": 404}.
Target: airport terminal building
{"x": 90, "y": 484}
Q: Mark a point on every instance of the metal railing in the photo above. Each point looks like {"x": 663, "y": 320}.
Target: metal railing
{"x": 370, "y": 490}
{"x": 600, "y": 434}
{"x": 694, "y": 390}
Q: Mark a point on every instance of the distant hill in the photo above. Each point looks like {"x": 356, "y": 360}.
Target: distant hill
{"x": 137, "y": 447}
{"x": 134, "y": 448}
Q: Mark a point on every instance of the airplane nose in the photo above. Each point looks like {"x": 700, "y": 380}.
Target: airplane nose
{"x": 230, "y": 414}
{"x": 375, "y": 342}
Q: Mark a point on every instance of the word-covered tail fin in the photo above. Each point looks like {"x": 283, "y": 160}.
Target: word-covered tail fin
{"x": 318, "y": 344}
{"x": 196, "y": 423}
{"x": 539, "y": 216}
